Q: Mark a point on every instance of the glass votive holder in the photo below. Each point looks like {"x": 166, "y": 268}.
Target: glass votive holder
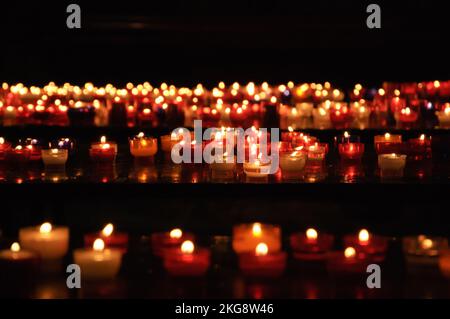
{"x": 142, "y": 146}
{"x": 310, "y": 245}
{"x": 4, "y": 148}
{"x": 350, "y": 147}
{"x": 54, "y": 156}
{"x": 388, "y": 143}
{"x": 391, "y": 165}
{"x": 419, "y": 148}
{"x": 224, "y": 170}
{"x": 444, "y": 263}
{"x": 292, "y": 164}
{"x": 103, "y": 151}
{"x": 257, "y": 170}
{"x": 34, "y": 146}
{"x": 316, "y": 153}
{"x": 422, "y": 253}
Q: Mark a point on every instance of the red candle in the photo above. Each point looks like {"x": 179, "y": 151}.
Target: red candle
{"x": 103, "y": 151}
{"x": 407, "y": 115}
{"x": 350, "y": 147}
{"x": 168, "y": 240}
{"x": 387, "y": 144}
{"x": 261, "y": 263}
{"x": 309, "y": 246}
{"x": 366, "y": 243}
{"x": 419, "y": 148}
{"x": 34, "y": 148}
{"x": 187, "y": 260}
{"x": 348, "y": 262}
{"x": 111, "y": 238}
{"x": 4, "y": 148}
{"x": 340, "y": 117}
{"x": 18, "y": 155}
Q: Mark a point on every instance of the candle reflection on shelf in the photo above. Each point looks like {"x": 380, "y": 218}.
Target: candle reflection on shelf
{"x": 350, "y": 172}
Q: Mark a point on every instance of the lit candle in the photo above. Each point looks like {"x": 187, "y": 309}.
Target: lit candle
{"x": 103, "y": 151}
{"x": 4, "y": 148}
{"x": 50, "y": 243}
{"x": 391, "y": 165}
{"x": 310, "y": 246}
{"x": 54, "y": 157}
{"x": 224, "y": 170}
{"x": 142, "y": 146}
{"x": 257, "y": 169}
{"x": 422, "y": 252}
{"x": 18, "y": 155}
{"x": 167, "y": 240}
{"x": 262, "y": 263}
{"x": 98, "y": 263}
{"x": 350, "y": 147}
{"x": 187, "y": 260}
{"x": 373, "y": 245}
{"x": 444, "y": 263}
{"x": 292, "y": 164}
{"x": 321, "y": 117}
{"x": 316, "y": 153}
{"x": 111, "y": 238}
{"x": 388, "y": 143}
{"x": 168, "y": 141}
{"x": 247, "y": 236}
{"x": 346, "y": 263}
{"x": 444, "y": 116}
{"x": 419, "y": 148}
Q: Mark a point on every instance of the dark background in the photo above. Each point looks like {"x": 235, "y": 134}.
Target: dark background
{"x": 184, "y": 42}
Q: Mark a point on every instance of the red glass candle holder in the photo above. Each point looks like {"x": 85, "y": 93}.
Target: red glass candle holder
{"x": 375, "y": 246}
{"x": 164, "y": 241}
{"x": 340, "y": 265}
{"x": 271, "y": 265}
{"x": 407, "y": 116}
{"x": 18, "y": 155}
{"x": 340, "y": 118}
{"x": 4, "y": 148}
{"x": 388, "y": 144}
{"x": 180, "y": 264}
{"x": 419, "y": 148}
{"x": 311, "y": 249}
{"x": 115, "y": 240}
{"x": 351, "y": 151}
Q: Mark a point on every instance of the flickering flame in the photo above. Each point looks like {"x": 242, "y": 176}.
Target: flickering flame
{"x": 311, "y": 234}
{"x": 387, "y": 136}
{"x": 103, "y": 139}
{"x": 45, "y": 228}
{"x": 15, "y": 247}
{"x": 99, "y": 245}
{"x": 54, "y": 151}
{"x": 146, "y": 111}
{"x": 257, "y": 230}
{"x": 273, "y": 99}
{"x": 2, "y": 140}
{"x": 346, "y": 135}
{"x": 422, "y": 137}
{"x": 187, "y": 247}
{"x": 261, "y": 249}
{"x": 426, "y": 243}
{"x": 396, "y": 92}
{"x": 436, "y": 84}
{"x": 108, "y": 230}
{"x": 141, "y": 135}
{"x": 349, "y": 252}
{"x": 363, "y": 236}
{"x": 176, "y": 233}
{"x": 106, "y": 146}
{"x": 18, "y": 147}
{"x": 290, "y": 129}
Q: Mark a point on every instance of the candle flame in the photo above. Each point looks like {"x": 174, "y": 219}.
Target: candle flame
{"x": 54, "y": 151}
{"x": 426, "y": 243}
{"x": 141, "y": 135}
{"x": 15, "y": 247}
{"x": 311, "y": 233}
{"x": 346, "y": 135}
{"x": 108, "y": 230}
{"x": 422, "y": 137}
{"x": 387, "y": 136}
{"x": 103, "y": 139}
{"x": 99, "y": 245}
{"x": 176, "y": 233}
{"x": 290, "y": 129}
{"x": 106, "y": 146}
{"x": 187, "y": 247}
{"x": 45, "y": 228}
{"x": 349, "y": 252}
{"x": 2, "y": 140}
{"x": 261, "y": 249}
{"x": 363, "y": 236}
{"x": 257, "y": 230}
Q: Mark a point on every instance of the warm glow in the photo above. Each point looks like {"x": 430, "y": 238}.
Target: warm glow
{"x": 15, "y": 247}
{"x": 346, "y": 135}
{"x": 387, "y": 136}
{"x": 187, "y": 247}
{"x": 290, "y": 129}
{"x": 2, "y": 140}
{"x": 436, "y": 84}
{"x": 426, "y": 243}
{"x": 103, "y": 139}
{"x": 261, "y": 249}
{"x": 363, "y": 236}
{"x": 349, "y": 252}
{"x": 106, "y": 146}
{"x": 311, "y": 234}
{"x": 257, "y": 230}
{"x": 381, "y": 92}
{"x": 45, "y": 228}
{"x": 99, "y": 245}
{"x": 54, "y": 151}
{"x": 422, "y": 137}
{"x": 108, "y": 230}
{"x": 176, "y": 233}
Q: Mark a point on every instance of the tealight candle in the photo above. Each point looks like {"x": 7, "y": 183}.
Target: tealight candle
{"x": 142, "y": 146}
{"x": 187, "y": 260}
{"x": 35, "y": 150}
{"x": 310, "y": 246}
{"x": 292, "y": 164}
{"x": 346, "y": 263}
{"x": 50, "y": 243}
{"x": 111, "y": 238}
{"x": 367, "y": 243}
{"x": 4, "y": 148}
{"x": 262, "y": 263}
{"x": 247, "y": 236}
{"x": 224, "y": 170}
{"x": 103, "y": 151}
{"x": 388, "y": 143}
{"x": 257, "y": 169}
{"x": 321, "y": 117}
{"x": 444, "y": 116}
{"x": 419, "y": 148}
{"x": 98, "y": 263}
{"x": 391, "y": 165}
{"x": 350, "y": 147}
{"x": 422, "y": 252}
{"x": 316, "y": 153}
{"x": 18, "y": 155}
{"x": 167, "y": 240}
{"x": 444, "y": 263}
{"x": 54, "y": 157}
{"x": 168, "y": 141}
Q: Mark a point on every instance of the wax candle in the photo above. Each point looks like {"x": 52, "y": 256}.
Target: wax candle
{"x": 18, "y": 155}
{"x": 247, "y": 236}
{"x": 292, "y": 164}
{"x": 4, "y": 148}
{"x": 168, "y": 141}
{"x": 224, "y": 170}
{"x": 310, "y": 246}
{"x": 388, "y": 143}
{"x": 391, "y": 165}
{"x": 340, "y": 116}
{"x": 262, "y": 263}
{"x": 316, "y": 153}
{"x": 103, "y": 151}
{"x": 367, "y": 243}
{"x": 321, "y": 118}
{"x": 419, "y": 148}
{"x": 54, "y": 157}
{"x": 49, "y": 242}
{"x": 187, "y": 260}
{"x": 257, "y": 169}
{"x": 111, "y": 238}
{"x": 346, "y": 263}
{"x": 444, "y": 116}
{"x": 98, "y": 263}
{"x": 142, "y": 146}
{"x": 422, "y": 252}
{"x": 350, "y": 147}
{"x": 33, "y": 146}
{"x": 167, "y": 240}
{"x": 444, "y": 263}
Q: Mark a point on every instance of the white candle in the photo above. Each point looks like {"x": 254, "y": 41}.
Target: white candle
{"x": 47, "y": 241}
{"x": 444, "y": 117}
{"x": 98, "y": 262}
{"x": 54, "y": 157}
{"x": 292, "y": 164}
{"x": 391, "y": 165}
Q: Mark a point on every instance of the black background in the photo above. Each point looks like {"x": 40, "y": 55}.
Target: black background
{"x": 184, "y": 42}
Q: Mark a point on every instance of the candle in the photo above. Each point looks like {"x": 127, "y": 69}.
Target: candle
{"x": 167, "y": 240}
{"x": 168, "y": 141}
{"x": 49, "y": 242}
{"x": 54, "y": 157}
{"x": 18, "y": 155}
{"x": 444, "y": 263}
{"x": 103, "y": 151}
{"x": 262, "y": 263}
{"x": 444, "y": 116}
{"x": 142, "y": 146}
{"x": 407, "y": 116}
{"x": 4, "y": 148}
{"x": 247, "y": 236}
{"x": 292, "y": 164}
{"x": 98, "y": 263}
{"x": 316, "y": 153}
{"x": 391, "y": 165}
{"x": 419, "y": 148}
{"x": 422, "y": 252}
{"x": 111, "y": 238}
{"x": 187, "y": 260}
{"x": 346, "y": 263}
{"x": 350, "y": 147}
{"x": 33, "y": 146}
{"x": 224, "y": 170}
{"x": 257, "y": 169}
{"x": 321, "y": 118}
{"x": 388, "y": 143}
{"x": 309, "y": 246}
{"x": 367, "y": 243}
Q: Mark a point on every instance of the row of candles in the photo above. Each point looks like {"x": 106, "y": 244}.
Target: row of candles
{"x": 236, "y": 105}
{"x": 258, "y": 247}
{"x": 296, "y": 151}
